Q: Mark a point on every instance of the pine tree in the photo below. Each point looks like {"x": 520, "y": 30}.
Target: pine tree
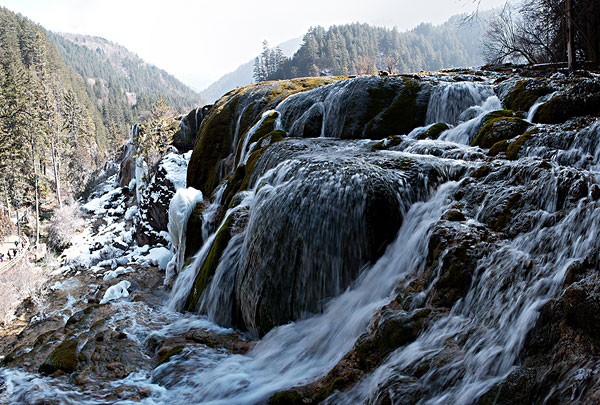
{"x": 156, "y": 134}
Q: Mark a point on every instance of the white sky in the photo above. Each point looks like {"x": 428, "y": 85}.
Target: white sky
{"x": 198, "y": 41}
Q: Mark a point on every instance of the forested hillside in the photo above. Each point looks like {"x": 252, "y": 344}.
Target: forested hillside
{"x": 361, "y": 48}
{"x": 121, "y": 84}
{"x": 65, "y": 109}
{"x": 243, "y": 75}
{"x": 51, "y": 135}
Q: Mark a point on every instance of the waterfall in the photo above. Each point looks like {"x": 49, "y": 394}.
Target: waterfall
{"x": 245, "y": 151}
{"x": 466, "y": 131}
{"x": 328, "y": 236}
{"x": 533, "y": 109}
{"x": 306, "y": 349}
{"x": 449, "y": 100}
{"x": 490, "y": 324}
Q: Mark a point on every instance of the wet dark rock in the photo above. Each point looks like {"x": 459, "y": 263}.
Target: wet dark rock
{"x": 583, "y": 98}
{"x": 283, "y": 258}
{"x": 64, "y": 358}
{"x": 185, "y": 138}
{"x": 127, "y": 165}
{"x": 453, "y": 253}
{"x": 394, "y": 328}
{"x": 153, "y": 210}
{"x": 434, "y": 131}
{"x": 500, "y": 129}
{"x": 374, "y": 108}
{"x": 229, "y": 120}
{"x": 525, "y": 93}
{"x": 516, "y": 389}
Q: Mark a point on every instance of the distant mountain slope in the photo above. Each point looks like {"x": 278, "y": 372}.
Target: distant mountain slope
{"x": 243, "y": 75}
{"x": 346, "y": 49}
{"x": 361, "y": 48}
{"x": 52, "y": 135}
{"x": 122, "y": 84}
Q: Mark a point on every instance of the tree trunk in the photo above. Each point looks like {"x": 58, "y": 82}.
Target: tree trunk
{"x": 37, "y": 199}
{"x": 18, "y": 221}
{"x": 570, "y": 36}
{"x": 56, "y": 168}
{"x": 7, "y": 198}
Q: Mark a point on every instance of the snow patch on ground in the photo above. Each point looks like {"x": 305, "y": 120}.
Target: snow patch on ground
{"x": 159, "y": 256}
{"x": 117, "y": 272}
{"x": 116, "y": 291}
{"x": 107, "y": 246}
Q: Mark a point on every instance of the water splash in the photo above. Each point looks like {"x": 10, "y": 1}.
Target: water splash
{"x": 304, "y": 350}
{"x": 449, "y": 100}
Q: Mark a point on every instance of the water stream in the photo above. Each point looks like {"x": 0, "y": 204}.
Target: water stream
{"x": 472, "y": 346}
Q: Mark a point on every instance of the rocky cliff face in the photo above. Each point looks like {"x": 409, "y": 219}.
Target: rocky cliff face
{"x": 415, "y": 239}
{"x": 317, "y": 211}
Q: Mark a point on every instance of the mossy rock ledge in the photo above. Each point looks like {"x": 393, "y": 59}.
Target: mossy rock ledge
{"x": 64, "y": 358}
{"x": 500, "y": 129}
{"x": 525, "y": 94}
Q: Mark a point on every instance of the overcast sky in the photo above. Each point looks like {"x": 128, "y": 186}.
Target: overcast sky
{"x": 198, "y": 41}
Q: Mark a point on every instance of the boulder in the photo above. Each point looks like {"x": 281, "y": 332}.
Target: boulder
{"x": 500, "y": 129}
{"x": 185, "y": 138}
{"x": 64, "y": 358}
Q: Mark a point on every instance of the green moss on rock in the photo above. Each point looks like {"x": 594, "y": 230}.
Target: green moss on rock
{"x": 525, "y": 94}
{"x": 286, "y": 398}
{"x": 400, "y": 116}
{"x": 216, "y": 133}
{"x": 213, "y": 144}
{"x": 64, "y": 358}
{"x": 498, "y": 147}
{"x": 499, "y": 129}
{"x": 267, "y": 126}
{"x": 499, "y": 114}
{"x": 434, "y": 131}
{"x": 193, "y": 232}
{"x": 561, "y": 107}
{"x": 172, "y": 352}
{"x": 240, "y": 179}
{"x": 512, "y": 151}
{"x": 210, "y": 264}
{"x": 276, "y": 136}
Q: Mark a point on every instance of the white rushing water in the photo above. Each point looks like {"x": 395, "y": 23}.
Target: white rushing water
{"x": 306, "y": 349}
{"x": 490, "y": 324}
{"x": 533, "y": 109}
{"x": 474, "y": 345}
{"x": 449, "y": 100}
{"x": 466, "y": 131}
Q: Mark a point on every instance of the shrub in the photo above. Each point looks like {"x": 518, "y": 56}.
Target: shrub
{"x": 64, "y": 222}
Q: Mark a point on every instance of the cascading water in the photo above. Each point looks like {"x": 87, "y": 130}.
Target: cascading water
{"x": 537, "y": 104}
{"x": 305, "y": 350}
{"x": 449, "y": 100}
{"x": 489, "y": 325}
{"x": 466, "y": 131}
{"x": 479, "y": 245}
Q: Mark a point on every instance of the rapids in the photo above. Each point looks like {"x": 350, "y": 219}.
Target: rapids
{"x": 314, "y": 188}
